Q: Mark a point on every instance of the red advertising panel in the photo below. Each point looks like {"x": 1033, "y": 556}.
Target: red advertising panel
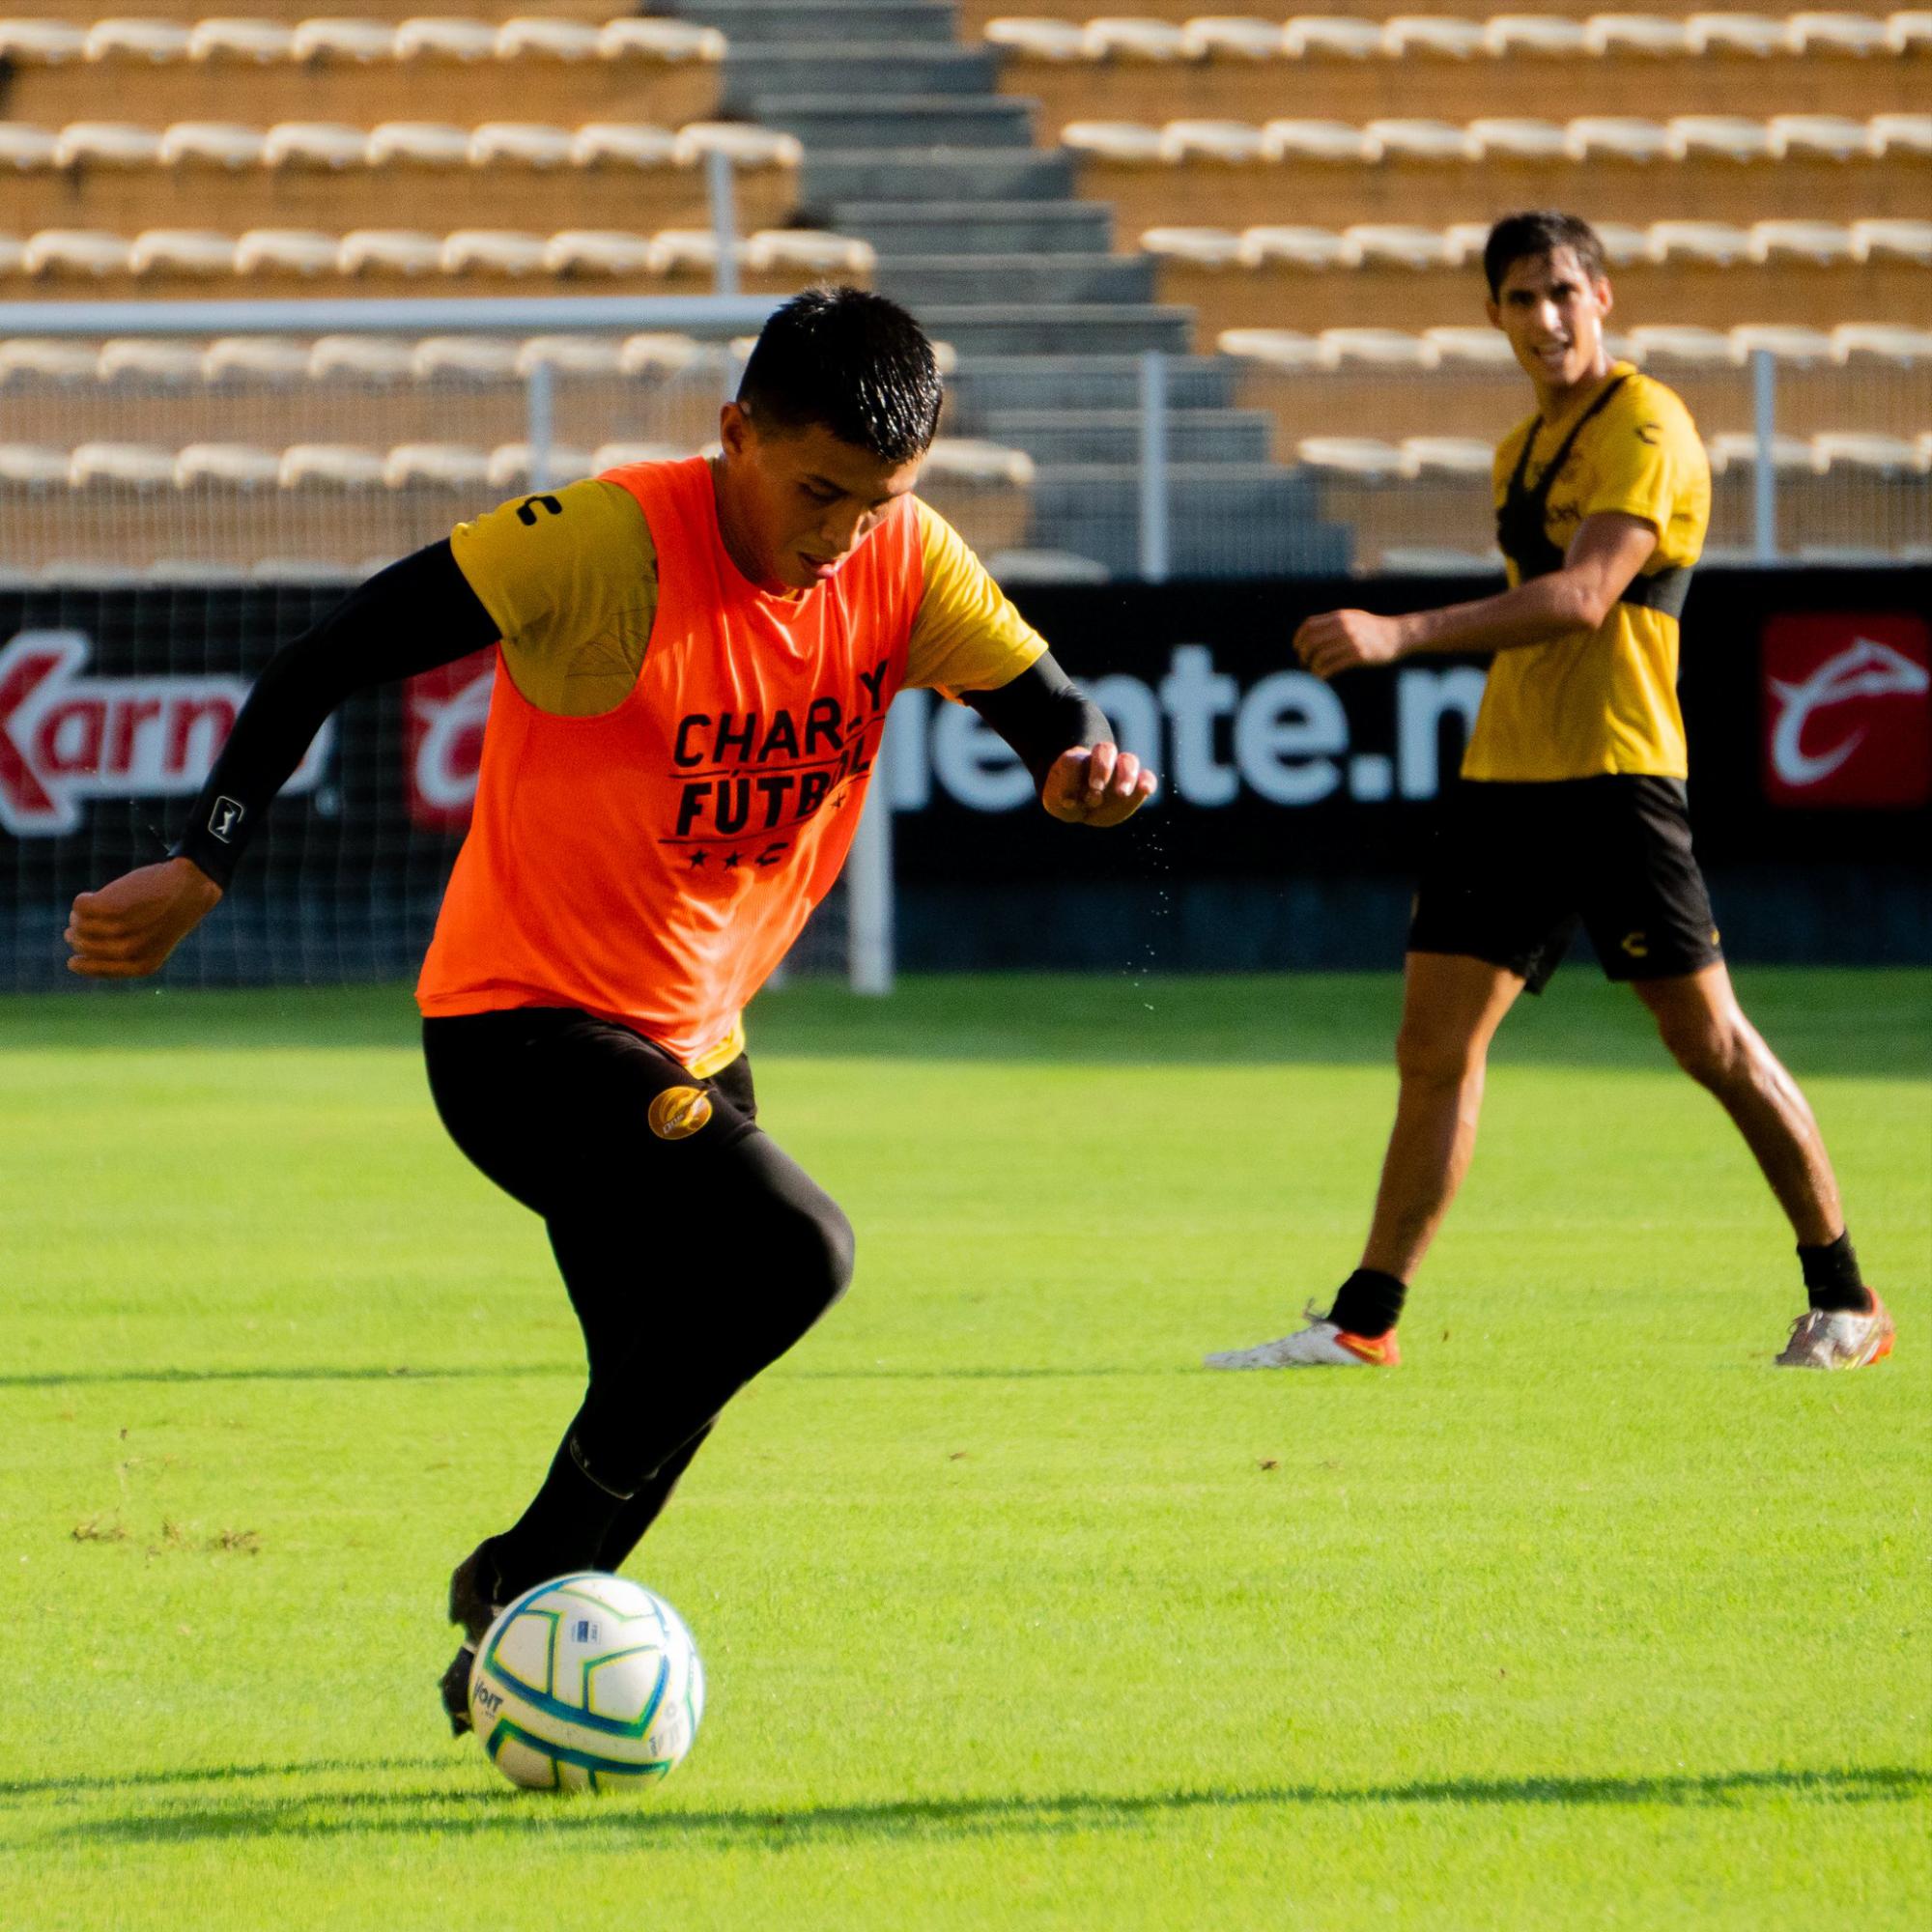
{"x": 444, "y": 714}
{"x": 1848, "y": 709}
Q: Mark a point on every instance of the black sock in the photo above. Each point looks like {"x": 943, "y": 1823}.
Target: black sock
{"x": 1832, "y": 1277}
{"x": 1368, "y": 1303}
{"x": 564, "y": 1528}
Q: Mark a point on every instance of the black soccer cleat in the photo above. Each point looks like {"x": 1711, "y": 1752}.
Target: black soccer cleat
{"x": 476, "y": 1593}
{"x": 455, "y": 1687}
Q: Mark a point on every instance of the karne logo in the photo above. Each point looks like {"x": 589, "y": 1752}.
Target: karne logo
{"x": 678, "y": 1112}
{"x": 1636, "y": 945}
{"x": 1864, "y": 668}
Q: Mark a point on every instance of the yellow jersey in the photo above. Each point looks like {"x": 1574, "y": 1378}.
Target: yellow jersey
{"x": 574, "y": 592}
{"x": 1598, "y": 701}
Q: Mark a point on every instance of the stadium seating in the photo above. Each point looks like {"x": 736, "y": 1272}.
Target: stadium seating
{"x": 1706, "y": 273}
{"x": 334, "y": 508}
{"x": 278, "y": 261}
{"x": 1450, "y": 67}
{"x": 230, "y": 175}
{"x": 361, "y": 70}
{"x": 1416, "y": 171}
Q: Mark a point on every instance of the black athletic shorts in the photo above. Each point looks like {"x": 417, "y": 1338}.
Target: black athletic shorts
{"x": 1513, "y": 867}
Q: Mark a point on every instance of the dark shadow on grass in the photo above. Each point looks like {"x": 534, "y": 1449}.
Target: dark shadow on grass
{"x": 209, "y": 1774}
{"x": 500, "y": 1809}
{"x": 114, "y": 1378}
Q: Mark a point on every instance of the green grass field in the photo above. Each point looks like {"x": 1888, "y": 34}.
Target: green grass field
{"x": 1013, "y": 1615}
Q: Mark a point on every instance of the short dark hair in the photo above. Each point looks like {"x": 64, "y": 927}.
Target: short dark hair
{"x": 1532, "y": 235}
{"x": 852, "y": 363}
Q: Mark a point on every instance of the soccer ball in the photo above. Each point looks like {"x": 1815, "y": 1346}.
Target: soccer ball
{"x": 586, "y": 1683}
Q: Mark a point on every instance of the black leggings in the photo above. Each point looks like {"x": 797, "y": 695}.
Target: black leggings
{"x": 694, "y": 1249}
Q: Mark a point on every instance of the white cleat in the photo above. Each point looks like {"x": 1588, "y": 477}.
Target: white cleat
{"x": 1322, "y": 1344}
{"x": 1837, "y": 1338}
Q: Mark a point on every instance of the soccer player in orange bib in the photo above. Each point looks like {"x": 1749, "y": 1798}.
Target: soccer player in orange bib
{"x": 1572, "y": 806}
{"x": 696, "y": 660}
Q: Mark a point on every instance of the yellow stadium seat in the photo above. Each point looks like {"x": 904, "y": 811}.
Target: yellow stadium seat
{"x": 1401, "y": 243}
{"x": 1649, "y": 34}
{"x": 1381, "y": 348}
{"x": 493, "y": 251}
{"x": 440, "y": 466}
{"x": 419, "y": 143}
{"x": 1520, "y": 138}
{"x": 512, "y": 464}
{"x": 362, "y": 358}
{"x": 46, "y": 358}
{"x": 1235, "y": 142}
{"x": 147, "y": 359}
{"x": 23, "y": 148}
{"x": 1623, "y": 137}
{"x": 638, "y": 146}
{"x": 1910, "y": 31}
{"x": 1821, "y": 242}
{"x": 361, "y": 42}
{"x": 582, "y": 251}
{"x": 298, "y": 251}
{"x": 1125, "y": 38}
{"x": 572, "y": 355}
{"x": 182, "y": 252}
{"x": 1755, "y": 34}
{"x": 121, "y": 466}
{"x": 1423, "y": 140}
{"x": 431, "y": 38}
{"x": 1701, "y": 348}
{"x": 1905, "y": 239}
{"x": 234, "y": 465}
{"x": 1513, "y": 35}
{"x": 1438, "y": 36}
{"x": 1304, "y": 247}
{"x": 258, "y": 42}
{"x": 332, "y": 466}
{"x": 1040, "y": 40}
{"x": 1836, "y": 136}
{"x": 224, "y": 144}
{"x": 391, "y": 251}
{"x": 1857, "y": 34}
{"x": 1208, "y": 247}
{"x": 1115, "y": 140}
{"x": 106, "y": 144}
{"x": 315, "y": 144}
{"x": 1333, "y": 37}
{"x": 42, "y": 42}
{"x": 1235, "y": 37}
{"x": 1903, "y": 133}
{"x": 1448, "y": 455}
{"x": 254, "y": 359}
{"x": 1461, "y": 345}
{"x": 1785, "y": 342}
{"x": 34, "y": 466}
{"x": 1279, "y": 348}
{"x": 1323, "y": 141}
{"x": 1360, "y": 456}
{"x": 139, "y": 40}
{"x": 74, "y": 251}
{"x": 472, "y": 357}
{"x": 1720, "y": 242}
{"x": 531, "y": 144}
{"x": 1735, "y": 137}
{"x": 545, "y": 39}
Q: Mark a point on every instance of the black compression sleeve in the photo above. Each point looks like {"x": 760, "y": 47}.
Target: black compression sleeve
{"x": 1040, "y": 714}
{"x": 411, "y": 617}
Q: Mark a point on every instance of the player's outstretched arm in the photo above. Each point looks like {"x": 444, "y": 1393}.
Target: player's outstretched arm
{"x": 1063, "y": 739}
{"x": 416, "y": 614}
{"x": 1605, "y": 554}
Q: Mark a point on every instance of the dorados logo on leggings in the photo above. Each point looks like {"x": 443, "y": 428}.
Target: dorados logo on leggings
{"x": 678, "y": 1112}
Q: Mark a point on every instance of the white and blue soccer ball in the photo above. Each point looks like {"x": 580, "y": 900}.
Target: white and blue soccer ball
{"x": 586, "y": 1683}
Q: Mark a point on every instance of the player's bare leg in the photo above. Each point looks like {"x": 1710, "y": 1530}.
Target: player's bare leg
{"x": 1451, "y": 1009}
{"x": 1707, "y": 1032}
{"x": 1452, "y": 1006}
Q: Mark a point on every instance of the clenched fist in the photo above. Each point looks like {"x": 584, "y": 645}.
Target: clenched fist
{"x": 1097, "y": 784}
{"x": 129, "y": 927}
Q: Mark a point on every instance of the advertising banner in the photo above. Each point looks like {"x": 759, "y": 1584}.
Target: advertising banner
{"x": 1808, "y": 696}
